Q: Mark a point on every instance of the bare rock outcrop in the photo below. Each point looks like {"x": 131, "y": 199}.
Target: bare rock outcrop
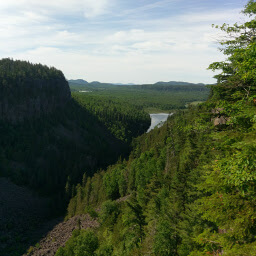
{"x": 60, "y": 234}
{"x": 220, "y": 118}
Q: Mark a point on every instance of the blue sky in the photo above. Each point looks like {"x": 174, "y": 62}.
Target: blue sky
{"x": 138, "y": 41}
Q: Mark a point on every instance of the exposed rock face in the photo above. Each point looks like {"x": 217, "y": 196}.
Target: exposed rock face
{"x": 21, "y": 211}
{"x": 60, "y": 234}
{"x": 220, "y": 118}
{"x": 42, "y": 96}
{"x": 217, "y": 111}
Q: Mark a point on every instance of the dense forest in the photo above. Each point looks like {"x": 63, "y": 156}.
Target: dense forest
{"x": 187, "y": 188}
{"x": 49, "y": 139}
{"x": 42, "y": 152}
{"x": 30, "y": 90}
{"x": 159, "y": 97}
{"x": 122, "y": 119}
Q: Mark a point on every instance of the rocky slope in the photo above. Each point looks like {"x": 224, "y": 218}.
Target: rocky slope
{"x": 60, "y": 234}
{"x": 21, "y": 212}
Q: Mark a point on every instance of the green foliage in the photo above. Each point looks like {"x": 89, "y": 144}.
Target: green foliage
{"x": 109, "y": 213}
{"x": 134, "y": 222}
{"x": 111, "y": 183}
{"x": 21, "y": 81}
{"x": 51, "y": 151}
{"x": 239, "y": 68}
{"x": 165, "y": 239}
{"x": 122, "y": 119}
{"x": 239, "y": 169}
{"x": 105, "y": 250}
{"x": 82, "y": 243}
{"x": 159, "y": 176}
{"x": 187, "y": 188}
{"x": 17, "y": 69}
{"x": 152, "y": 98}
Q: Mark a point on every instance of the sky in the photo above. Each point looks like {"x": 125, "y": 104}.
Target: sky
{"x": 118, "y": 41}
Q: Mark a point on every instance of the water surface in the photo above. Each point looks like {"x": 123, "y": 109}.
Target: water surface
{"x": 158, "y": 120}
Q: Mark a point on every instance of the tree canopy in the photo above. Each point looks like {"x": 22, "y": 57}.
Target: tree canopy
{"x": 188, "y": 188}
{"x": 239, "y": 45}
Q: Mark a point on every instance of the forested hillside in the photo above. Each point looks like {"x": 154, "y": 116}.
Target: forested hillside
{"x": 123, "y": 120}
{"x": 154, "y": 98}
{"x": 30, "y": 90}
{"x": 48, "y": 140}
{"x": 187, "y": 188}
{"x": 48, "y": 150}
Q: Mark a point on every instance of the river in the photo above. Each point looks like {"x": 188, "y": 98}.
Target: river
{"x": 157, "y": 120}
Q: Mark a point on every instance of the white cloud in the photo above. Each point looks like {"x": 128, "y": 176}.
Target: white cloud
{"x": 148, "y": 7}
{"x": 152, "y": 46}
{"x": 126, "y": 36}
{"x": 94, "y": 8}
{"x": 73, "y": 36}
{"x": 137, "y": 67}
{"x": 209, "y": 16}
{"x": 201, "y": 38}
{"x": 90, "y": 8}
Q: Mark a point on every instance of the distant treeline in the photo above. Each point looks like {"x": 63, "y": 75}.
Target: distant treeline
{"x": 176, "y": 87}
{"x": 152, "y": 98}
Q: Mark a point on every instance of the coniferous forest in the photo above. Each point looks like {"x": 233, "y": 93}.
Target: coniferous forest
{"x": 159, "y": 97}
{"x": 187, "y": 188}
{"x": 49, "y": 140}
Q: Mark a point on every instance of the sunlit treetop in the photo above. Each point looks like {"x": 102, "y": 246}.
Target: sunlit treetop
{"x": 239, "y": 69}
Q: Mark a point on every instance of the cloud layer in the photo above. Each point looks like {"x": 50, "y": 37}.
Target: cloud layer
{"x": 117, "y": 40}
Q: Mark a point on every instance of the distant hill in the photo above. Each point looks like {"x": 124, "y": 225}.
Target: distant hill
{"x": 177, "y": 83}
{"x": 173, "y": 86}
{"x": 84, "y": 82}
{"x": 78, "y": 81}
{"x": 80, "y": 84}
{"x": 96, "y": 83}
